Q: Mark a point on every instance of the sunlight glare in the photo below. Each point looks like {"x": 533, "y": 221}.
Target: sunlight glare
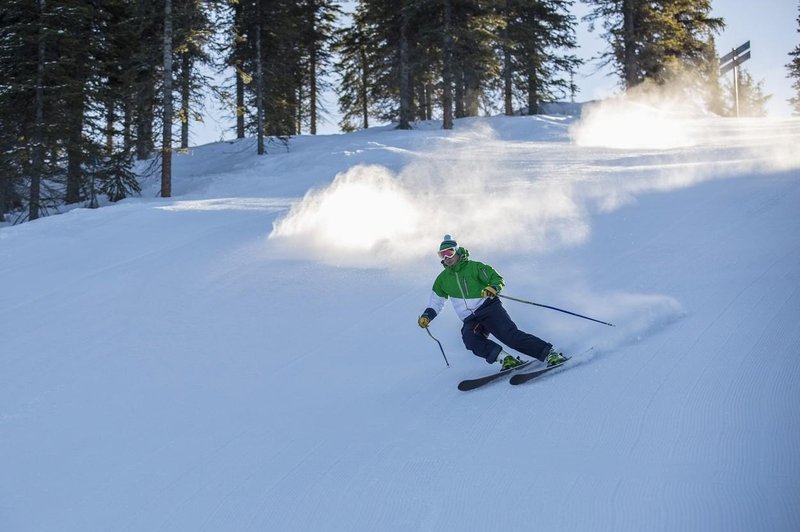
{"x": 362, "y": 210}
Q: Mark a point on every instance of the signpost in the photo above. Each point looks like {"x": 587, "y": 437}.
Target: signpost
{"x": 731, "y": 61}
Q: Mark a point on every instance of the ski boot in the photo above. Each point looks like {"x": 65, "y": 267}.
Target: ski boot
{"x": 554, "y": 358}
{"x": 510, "y": 362}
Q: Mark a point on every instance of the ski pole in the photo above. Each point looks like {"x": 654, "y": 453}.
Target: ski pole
{"x": 558, "y": 309}
{"x": 440, "y": 346}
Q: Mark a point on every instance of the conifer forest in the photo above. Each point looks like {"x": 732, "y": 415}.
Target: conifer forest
{"x": 89, "y": 87}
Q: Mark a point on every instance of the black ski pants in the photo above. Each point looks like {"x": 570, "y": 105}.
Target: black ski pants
{"x": 492, "y": 318}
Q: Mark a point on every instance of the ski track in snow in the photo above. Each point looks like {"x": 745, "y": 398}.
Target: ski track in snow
{"x": 170, "y": 367}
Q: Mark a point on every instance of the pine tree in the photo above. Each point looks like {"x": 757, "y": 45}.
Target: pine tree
{"x": 275, "y": 44}
{"x": 236, "y": 47}
{"x": 625, "y": 26}
{"x": 147, "y": 21}
{"x": 166, "y": 121}
{"x": 355, "y": 53}
{"x": 55, "y": 60}
{"x": 794, "y": 72}
{"x": 447, "y": 64}
{"x": 658, "y": 41}
{"x": 536, "y": 41}
{"x": 408, "y": 55}
{"x": 193, "y": 32}
{"x": 75, "y": 67}
{"x": 478, "y": 67}
{"x": 317, "y": 31}
{"x": 681, "y": 40}
{"x": 118, "y": 60}
{"x": 713, "y": 88}
{"x": 381, "y": 42}
{"x": 23, "y": 69}
{"x": 17, "y": 65}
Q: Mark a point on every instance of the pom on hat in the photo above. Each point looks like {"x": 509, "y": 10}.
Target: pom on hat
{"x": 447, "y": 243}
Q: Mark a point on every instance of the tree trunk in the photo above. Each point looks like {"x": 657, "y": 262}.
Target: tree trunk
{"x": 259, "y": 86}
{"x": 186, "y": 85}
{"x": 405, "y": 82}
{"x": 312, "y": 75}
{"x": 507, "y": 71}
{"x": 5, "y": 185}
{"x": 127, "y": 124}
{"x": 459, "y": 94}
{"x": 447, "y": 68}
{"x": 144, "y": 119}
{"x": 237, "y": 14}
{"x": 629, "y": 42}
{"x": 75, "y": 154}
{"x": 142, "y": 105}
{"x": 74, "y": 119}
{"x": 312, "y": 95}
{"x": 533, "y": 92}
{"x": 239, "y": 107}
{"x": 429, "y": 100}
{"x": 298, "y": 109}
{"x": 420, "y": 108}
{"x": 37, "y": 147}
{"x": 166, "y": 150}
{"x": 110, "y": 119}
{"x": 364, "y": 86}
{"x": 472, "y": 96}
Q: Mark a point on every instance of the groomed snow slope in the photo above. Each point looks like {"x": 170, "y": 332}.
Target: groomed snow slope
{"x": 245, "y": 355}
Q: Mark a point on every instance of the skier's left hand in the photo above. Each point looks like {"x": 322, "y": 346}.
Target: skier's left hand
{"x": 489, "y": 291}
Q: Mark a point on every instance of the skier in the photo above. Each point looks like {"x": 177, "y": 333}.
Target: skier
{"x": 473, "y": 288}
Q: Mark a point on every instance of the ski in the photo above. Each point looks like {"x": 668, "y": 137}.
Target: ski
{"x": 471, "y": 384}
{"x": 521, "y": 378}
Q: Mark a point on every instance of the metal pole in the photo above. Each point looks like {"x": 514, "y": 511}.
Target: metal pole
{"x": 736, "y": 87}
{"x": 440, "y": 346}
{"x": 555, "y": 308}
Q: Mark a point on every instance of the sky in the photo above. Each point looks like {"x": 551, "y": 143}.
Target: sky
{"x": 769, "y": 25}
{"x": 245, "y": 355}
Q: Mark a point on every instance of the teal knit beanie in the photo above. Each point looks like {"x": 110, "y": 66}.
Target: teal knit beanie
{"x": 448, "y": 242}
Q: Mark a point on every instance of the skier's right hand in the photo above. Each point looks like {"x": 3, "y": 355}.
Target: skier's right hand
{"x": 490, "y": 292}
{"x": 424, "y": 321}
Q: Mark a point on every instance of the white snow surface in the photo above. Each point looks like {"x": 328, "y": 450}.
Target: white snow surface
{"x": 245, "y": 355}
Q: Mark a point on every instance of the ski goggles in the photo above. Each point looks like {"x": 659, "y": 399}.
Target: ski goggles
{"x": 447, "y": 253}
